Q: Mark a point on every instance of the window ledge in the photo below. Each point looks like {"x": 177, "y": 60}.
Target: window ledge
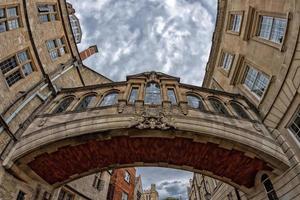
{"x": 269, "y": 43}
{"x": 224, "y": 71}
{"x": 233, "y": 32}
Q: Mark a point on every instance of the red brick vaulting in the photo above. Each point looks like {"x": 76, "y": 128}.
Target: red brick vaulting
{"x": 67, "y": 161}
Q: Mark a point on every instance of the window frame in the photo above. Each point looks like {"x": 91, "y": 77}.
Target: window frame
{"x": 247, "y": 117}
{"x": 175, "y": 95}
{"x": 64, "y": 196}
{"x": 48, "y": 14}
{"x": 222, "y": 69}
{"x": 272, "y": 191}
{"x": 129, "y": 96}
{"x": 127, "y": 175}
{"x": 6, "y": 18}
{"x": 291, "y": 121}
{"x": 204, "y": 109}
{"x": 247, "y": 66}
{"x": 125, "y": 194}
{"x": 212, "y": 98}
{"x": 82, "y": 99}
{"x": 160, "y": 93}
{"x": 105, "y": 95}
{"x": 19, "y": 66}
{"x": 57, "y": 48}
{"x": 229, "y": 20}
{"x": 257, "y": 27}
{"x": 55, "y": 109}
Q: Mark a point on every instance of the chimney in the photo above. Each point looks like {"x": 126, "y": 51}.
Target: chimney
{"x": 88, "y": 52}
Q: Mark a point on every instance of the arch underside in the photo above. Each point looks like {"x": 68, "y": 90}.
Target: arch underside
{"x": 92, "y": 154}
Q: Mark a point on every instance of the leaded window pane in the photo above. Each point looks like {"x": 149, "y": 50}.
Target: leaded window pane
{"x": 13, "y": 78}
{"x": 269, "y": 187}
{"x": 239, "y": 110}
{"x": 235, "y": 23}
{"x": 109, "y": 99}
{"x": 21, "y": 195}
{"x": 227, "y": 61}
{"x": 8, "y": 65}
{"x": 295, "y": 125}
{"x": 133, "y": 95}
{"x": 12, "y": 12}
{"x": 218, "y": 106}
{"x": 27, "y": 69}
{"x": 50, "y": 44}
{"x": 62, "y": 51}
{"x": 84, "y": 104}
{"x": 278, "y": 30}
{"x": 195, "y": 102}
{"x": 250, "y": 77}
{"x": 265, "y": 27}
{"x": 44, "y": 18}
{"x": 172, "y": 96}
{"x": 52, "y": 17}
{"x": 2, "y": 27}
{"x": 260, "y": 84}
{"x": 2, "y": 13}
{"x": 22, "y": 56}
{"x": 51, "y": 8}
{"x": 59, "y": 42}
{"x": 63, "y": 105}
{"x": 152, "y": 95}
{"x": 54, "y": 54}
{"x": 13, "y": 24}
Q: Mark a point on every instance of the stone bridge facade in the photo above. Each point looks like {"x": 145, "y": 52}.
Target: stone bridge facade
{"x": 151, "y": 119}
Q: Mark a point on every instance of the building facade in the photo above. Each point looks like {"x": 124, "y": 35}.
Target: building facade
{"x": 151, "y": 194}
{"x": 256, "y": 53}
{"x": 205, "y": 187}
{"x": 122, "y": 184}
{"x": 38, "y": 56}
{"x": 138, "y": 188}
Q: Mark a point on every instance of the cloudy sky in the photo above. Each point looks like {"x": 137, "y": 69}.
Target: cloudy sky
{"x": 133, "y": 36}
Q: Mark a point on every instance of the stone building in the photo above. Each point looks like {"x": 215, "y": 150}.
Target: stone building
{"x": 151, "y": 194}
{"x": 138, "y": 188}
{"x": 122, "y": 184}
{"x": 256, "y": 53}
{"x": 204, "y": 187}
{"x": 38, "y": 56}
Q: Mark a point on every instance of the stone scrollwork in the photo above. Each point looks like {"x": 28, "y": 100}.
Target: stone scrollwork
{"x": 152, "y": 120}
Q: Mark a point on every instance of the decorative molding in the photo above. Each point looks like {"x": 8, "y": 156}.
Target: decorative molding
{"x": 153, "y": 119}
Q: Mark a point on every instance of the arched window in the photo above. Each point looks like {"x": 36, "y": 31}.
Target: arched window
{"x": 269, "y": 187}
{"x": 195, "y": 102}
{"x": 63, "y": 105}
{"x": 109, "y": 99}
{"x": 85, "y": 102}
{"x": 239, "y": 110}
{"x": 152, "y": 94}
{"x": 218, "y": 106}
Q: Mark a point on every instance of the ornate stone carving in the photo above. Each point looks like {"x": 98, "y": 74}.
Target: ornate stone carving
{"x": 121, "y": 105}
{"x": 153, "y": 120}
